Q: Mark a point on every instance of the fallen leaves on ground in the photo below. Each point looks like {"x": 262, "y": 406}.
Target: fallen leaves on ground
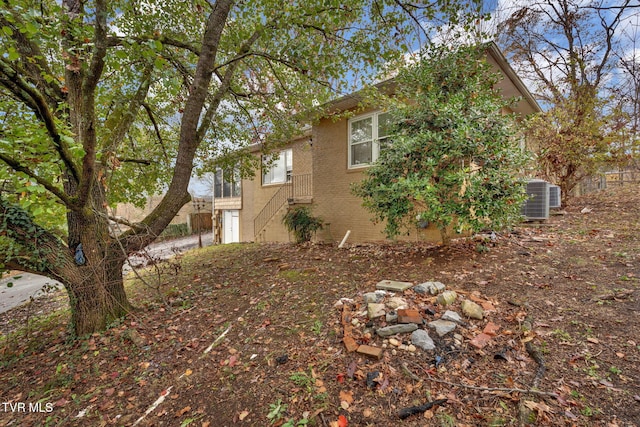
{"x": 270, "y": 323}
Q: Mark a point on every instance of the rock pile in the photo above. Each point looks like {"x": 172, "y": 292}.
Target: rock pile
{"x": 399, "y": 316}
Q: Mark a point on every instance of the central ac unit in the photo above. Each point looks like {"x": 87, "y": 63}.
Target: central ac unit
{"x": 536, "y": 206}
{"x": 554, "y": 196}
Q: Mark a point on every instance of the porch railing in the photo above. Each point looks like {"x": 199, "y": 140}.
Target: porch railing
{"x": 299, "y": 186}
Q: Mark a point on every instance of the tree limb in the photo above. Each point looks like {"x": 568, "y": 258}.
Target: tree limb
{"x": 34, "y": 100}
{"x": 35, "y": 64}
{"x": 88, "y": 92}
{"x": 38, "y": 250}
{"x": 123, "y": 221}
{"x": 122, "y": 119}
{"x": 177, "y": 194}
{"x": 120, "y": 41}
{"x": 16, "y": 166}
{"x": 139, "y": 161}
{"x": 225, "y": 84}
{"x": 152, "y": 118}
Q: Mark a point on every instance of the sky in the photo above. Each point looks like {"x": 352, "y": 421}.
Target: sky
{"x": 625, "y": 35}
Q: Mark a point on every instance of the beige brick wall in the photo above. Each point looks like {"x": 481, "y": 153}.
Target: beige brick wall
{"x": 332, "y": 197}
{"x": 333, "y": 201}
{"x": 255, "y": 196}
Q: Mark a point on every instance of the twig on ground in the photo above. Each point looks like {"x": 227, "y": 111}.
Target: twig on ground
{"x": 155, "y": 404}
{"x": 535, "y": 355}
{"x": 491, "y": 389}
{"x": 407, "y": 412}
{"x": 217, "y": 340}
{"x": 408, "y": 372}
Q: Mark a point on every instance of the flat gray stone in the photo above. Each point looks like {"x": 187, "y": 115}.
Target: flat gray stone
{"x": 391, "y": 317}
{"x": 442, "y": 327}
{"x": 432, "y": 288}
{"x": 375, "y": 310}
{"x": 392, "y": 285}
{"x": 451, "y": 316}
{"x": 397, "y": 329}
{"x": 420, "y": 338}
{"x": 422, "y": 288}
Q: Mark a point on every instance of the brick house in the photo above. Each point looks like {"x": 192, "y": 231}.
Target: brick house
{"x": 317, "y": 169}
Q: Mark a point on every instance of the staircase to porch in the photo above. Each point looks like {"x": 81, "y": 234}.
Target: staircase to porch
{"x": 298, "y": 190}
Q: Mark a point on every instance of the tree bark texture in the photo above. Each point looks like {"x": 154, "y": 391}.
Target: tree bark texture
{"x": 95, "y": 286}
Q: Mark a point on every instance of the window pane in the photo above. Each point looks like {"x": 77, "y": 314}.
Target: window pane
{"x": 266, "y": 176}
{"x": 361, "y": 153}
{"x": 361, "y": 130}
{"x": 288, "y": 156}
{"x": 384, "y": 123}
{"x": 217, "y": 187}
{"x": 278, "y": 170}
{"x": 235, "y": 190}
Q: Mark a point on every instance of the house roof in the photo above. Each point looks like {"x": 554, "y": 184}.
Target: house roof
{"x": 511, "y": 86}
{"x": 304, "y": 132}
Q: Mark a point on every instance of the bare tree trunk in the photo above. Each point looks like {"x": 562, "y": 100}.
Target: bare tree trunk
{"x": 445, "y": 236}
{"x": 96, "y": 297}
{"x": 95, "y": 287}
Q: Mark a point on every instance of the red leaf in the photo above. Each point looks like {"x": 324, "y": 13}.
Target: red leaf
{"x": 342, "y": 421}
{"x": 233, "y": 360}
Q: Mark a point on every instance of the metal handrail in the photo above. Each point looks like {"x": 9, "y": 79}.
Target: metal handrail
{"x": 299, "y": 186}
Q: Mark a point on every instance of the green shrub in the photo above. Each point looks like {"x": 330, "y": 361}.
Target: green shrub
{"x": 454, "y": 158}
{"x": 175, "y": 230}
{"x": 301, "y": 223}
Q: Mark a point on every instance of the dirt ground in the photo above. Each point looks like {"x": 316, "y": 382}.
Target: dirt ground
{"x": 250, "y": 335}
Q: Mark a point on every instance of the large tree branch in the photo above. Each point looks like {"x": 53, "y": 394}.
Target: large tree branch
{"x": 34, "y": 100}
{"x": 89, "y": 85}
{"x": 18, "y": 167}
{"x": 37, "y": 250}
{"x": 177, "y": 194}
{"x": 36, "y": 67}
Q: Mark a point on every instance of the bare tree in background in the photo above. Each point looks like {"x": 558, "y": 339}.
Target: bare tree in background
{"x": 569, "y": 51}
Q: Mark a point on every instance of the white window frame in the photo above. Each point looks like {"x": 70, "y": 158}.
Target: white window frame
{"x": 227, "y": 185}
{"x": 375, "y": 139}
{"x": 269, "y": 167}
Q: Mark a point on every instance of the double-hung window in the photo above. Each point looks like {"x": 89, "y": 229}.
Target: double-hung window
{"x": 367, "y": 136}
{"x": 227, "y": 183}
{"x": 277, "y": 170}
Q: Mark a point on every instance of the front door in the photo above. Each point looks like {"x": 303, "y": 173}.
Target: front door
{"x": 230, "y": 226}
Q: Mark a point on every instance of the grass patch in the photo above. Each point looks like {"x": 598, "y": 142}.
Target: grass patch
{"x": 26, "y": 338}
